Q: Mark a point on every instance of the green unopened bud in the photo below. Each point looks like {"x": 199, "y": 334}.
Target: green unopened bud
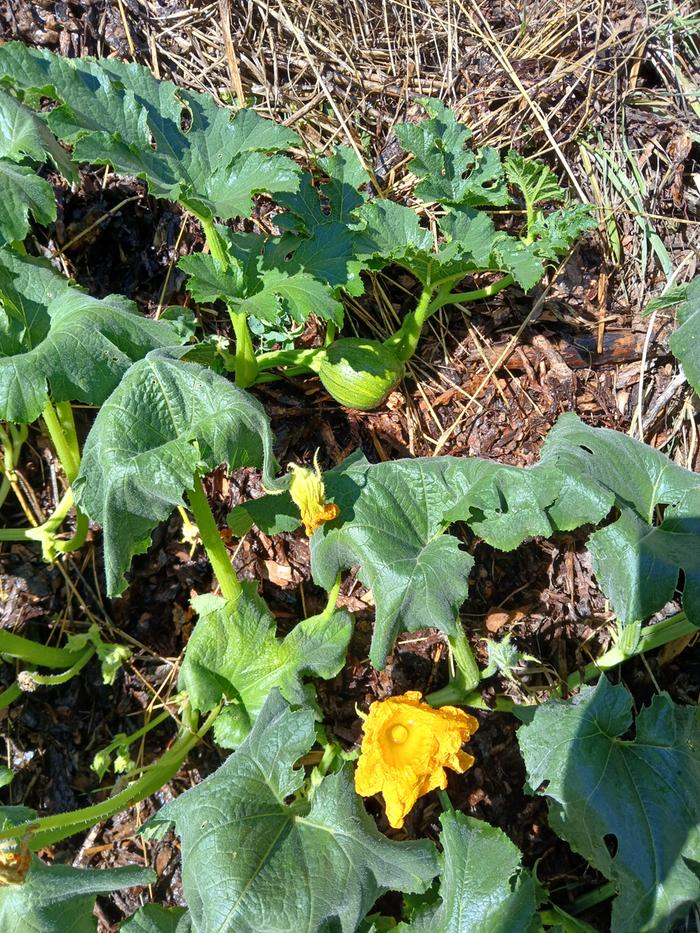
{"x": 358, "y": 373}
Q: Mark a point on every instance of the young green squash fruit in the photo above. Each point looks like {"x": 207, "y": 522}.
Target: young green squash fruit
{"x": 357, "y": 372}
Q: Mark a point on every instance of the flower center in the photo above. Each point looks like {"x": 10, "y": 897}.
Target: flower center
{"x": 398, "y": 734}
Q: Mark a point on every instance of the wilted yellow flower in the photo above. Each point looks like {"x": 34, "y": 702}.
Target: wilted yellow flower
{"x": 309, "y": 495}
{"x": 405, "y": 749}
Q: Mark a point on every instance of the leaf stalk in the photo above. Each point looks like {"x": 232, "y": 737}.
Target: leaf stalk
{"x": 213, "y": 542}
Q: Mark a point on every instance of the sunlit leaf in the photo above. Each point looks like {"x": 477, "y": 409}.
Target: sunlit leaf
{"x": 631, "y": 806}
{"x": 252, "y": 862}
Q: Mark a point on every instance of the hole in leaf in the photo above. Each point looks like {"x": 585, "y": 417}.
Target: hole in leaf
{"x": 610, "y": 840}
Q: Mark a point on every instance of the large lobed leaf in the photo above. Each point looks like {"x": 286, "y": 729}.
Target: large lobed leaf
{"x": 450, "y": 172}
{"x": 320, "y": 239}
{"x": 483, "y": 885}
{"x": 637, "y": 558}
{"x": 57, "y": 898}
{"x": 248, "y": 288}
{"x": 685, "y": 340}
{"x": 643, "y": 791}
{"x": 234, "y": 653}
{"x": 24, "y": 137}
{"x": 184, "y": 145}
{"x": 391, "y": 233}
{"x": 391, "y": 523}
{"x": 23, "y": 192}
{"x": 393, "y": 515}
{"x": 165, "y": 421}
{"x": 252, "y": 862}
{"x": 88, "y": 346}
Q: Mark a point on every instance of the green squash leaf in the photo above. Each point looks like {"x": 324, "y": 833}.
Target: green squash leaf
{"x": 637, "y": 559}
{"x": 251, "y": 862}
{"x": 185, "y": 146}
{"x": 449, "y": 172}
{"x": 22, "y": 193}
{"x": 233, "y": 652}
{"x": 165, "y": 421}
{"x": 392, "y": 233}
{"x": 250, "y": 289}
{"x": 483, "y": 886}
{"x": 27, "y": 287}
{"x": 320, "y": 240}
{"x": 685, "y": 342}
{"x": 644, "y": 792}
{"x": 152, "y": 918}
{"x": 297, "y": 294}
{"x": 209, "y": 280}
{"x": 536, "y": 180}
{"x": 25, "y": 135}
{"x": 89, "y": 345}
{"x": 57, "y": 898}
{"x": 555, "y": 233}
{"x": 391, "y": 520}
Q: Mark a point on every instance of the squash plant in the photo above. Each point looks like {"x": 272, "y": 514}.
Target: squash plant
{"x": 275, "y": 840}
{"x": 191, "y": 151}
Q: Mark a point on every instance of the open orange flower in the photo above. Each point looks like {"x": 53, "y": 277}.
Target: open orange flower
{"x": 405, "y": 749}
{"x": 309, "y": 495}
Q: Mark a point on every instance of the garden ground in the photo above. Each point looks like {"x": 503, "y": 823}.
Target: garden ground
{"x": 609, "y": 95}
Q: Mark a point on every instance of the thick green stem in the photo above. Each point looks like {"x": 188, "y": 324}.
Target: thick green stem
{"x": 14, "y": 646}
{"x": 332, "y": 598}
{"x": 54, "y": 680}
{"x": 50, "y": 829}
{"x": 467, "y": 676}
{"x": 63, "y": 445}
{"x": 478, "y": 294}
{"x": 650, "y": 637}
{"x": 82, "y": 526}
{"x": 45, "y": 533}
{"x": 276, "y": 358}
{"x": 64, "y": 412}
{"x": 213, "y": 543}
{"x": 405, "y": 340}
{"x": 9, "y": 695}
{"x": 245, "y": 365}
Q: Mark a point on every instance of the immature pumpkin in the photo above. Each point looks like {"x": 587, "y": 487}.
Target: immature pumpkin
{"x": 357, "y": 372}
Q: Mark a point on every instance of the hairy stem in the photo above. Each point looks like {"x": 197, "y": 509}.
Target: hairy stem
{"x": 53, "y": 680}
{"x": 15, "y": 646}
{"x": 50, "y": 829}
{"x": 245, "y": 364}
{"x": 332, "y": 598}
{"x": 478, "y": 294}
{"x": 651, "y": 637}
{"x": 405, "y": 340}
{"x": 288, "y": 358}
{"x": 9, "y": 695}
{"x": 467, "y": 675}
{"x": 213, "y": 543}
{"x": 63, "y": 444}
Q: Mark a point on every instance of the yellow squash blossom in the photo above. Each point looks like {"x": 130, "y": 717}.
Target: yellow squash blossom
{"x": 309, "y": 495}
{"x": 405, "y": 749}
